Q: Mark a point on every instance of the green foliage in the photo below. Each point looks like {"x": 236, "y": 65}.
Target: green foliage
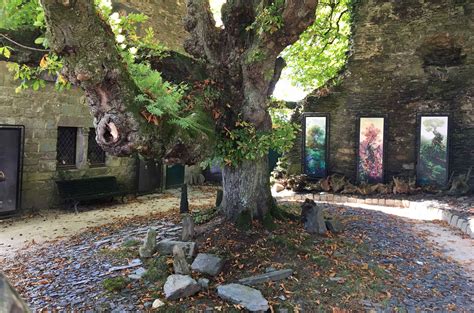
{"x": 321, "y": 51}
{"x": 5, "y": 51}
{"x": 19, "y": 13}
{"x": 244, "y": 142}
{"x": 270, "y": 18}
{"x": 31, "y": 77}
{"x": 115, "y": 284}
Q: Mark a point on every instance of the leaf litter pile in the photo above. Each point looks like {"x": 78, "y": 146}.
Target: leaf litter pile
{"x": 379, "y": 261}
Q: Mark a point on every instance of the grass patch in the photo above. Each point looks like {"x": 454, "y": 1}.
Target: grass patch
{"x": 131, "y": 243}
{"x": 204, "y": 216}
{"x": 126, "y": 252}
{"x": 115, "y": 284}
{"x": 157, "y": 270}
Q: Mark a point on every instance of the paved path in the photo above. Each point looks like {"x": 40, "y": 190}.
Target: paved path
{"x": 17, "y": 233}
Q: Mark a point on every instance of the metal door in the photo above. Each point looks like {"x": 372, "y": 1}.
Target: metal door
{"x": 149, "y": 176}
{"x": 174, "y": 176}
{"x": 11, "y": 144}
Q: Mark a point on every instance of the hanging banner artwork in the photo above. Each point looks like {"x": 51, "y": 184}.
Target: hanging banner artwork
{"x": 432, "y": 167}
{"x": 315, "y": 129}
{"x": 370, "y": 165}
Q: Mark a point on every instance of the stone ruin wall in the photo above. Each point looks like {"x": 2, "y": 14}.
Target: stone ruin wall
{"x": 408, "y": 57}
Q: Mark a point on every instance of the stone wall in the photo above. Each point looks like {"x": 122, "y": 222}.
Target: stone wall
{"x": 408, "y": 57}
{"x": 41, "y": 113}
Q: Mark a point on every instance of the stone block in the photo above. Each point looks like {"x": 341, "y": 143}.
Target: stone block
{"x": 337, "y": 199}
{"x": 330, "y": 197}
{"x": 446, "y": 216}
{"x": 454, "y": 220}
{"x": 381, "y": 202}
{"x": 405, "y": 203}
{"x": 398, "y": 203}
{"x": 390, "y": 202}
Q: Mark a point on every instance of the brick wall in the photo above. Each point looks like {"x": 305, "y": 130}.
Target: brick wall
{"x": 408, "y": 57}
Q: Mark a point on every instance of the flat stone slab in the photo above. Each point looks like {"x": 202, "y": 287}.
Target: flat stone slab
{"x": 248, "y": 297}
{"x": 207, "y": 264}
{"x": 270, "y": 276}
{"x": 180, "y": 286}
{"x": 166, "y": 247}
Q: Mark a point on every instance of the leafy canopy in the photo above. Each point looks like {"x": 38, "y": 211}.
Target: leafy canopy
{"x": 321, "y": 52}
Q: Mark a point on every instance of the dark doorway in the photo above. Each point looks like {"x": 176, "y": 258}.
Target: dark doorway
{"x": 11, "y": 151}
{"x": 149, "y": 176}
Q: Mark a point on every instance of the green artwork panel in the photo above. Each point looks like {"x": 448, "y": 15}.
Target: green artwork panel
{"x": 432, "y": 168}
{"x": 315, "y": 145}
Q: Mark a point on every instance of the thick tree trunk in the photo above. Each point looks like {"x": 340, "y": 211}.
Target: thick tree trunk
{"x": 247, "y": 189}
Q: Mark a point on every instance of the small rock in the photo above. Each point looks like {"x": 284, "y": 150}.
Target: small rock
{"x": 203, "y": 282}
{"x": 188, "y": 228}
{"x": 147, "y": 304}
{"x": 334, "y": 225}
{"x": 157, "y": 303}
{"x": 180, "y": 265}
{"x": 180, "y": 286}
{"x": 271, "y": 276}
{"x": 248, "y": 297}
{"x": 279, "y": 187}
{"x": 207, "y": 264}
{"x": 149, "y": 245}
{"x": 138, "y": 274}
{"x": 312, "y": 217}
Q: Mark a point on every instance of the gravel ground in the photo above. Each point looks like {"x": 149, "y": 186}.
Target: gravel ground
{"x": 68, "y": 274}
{"x": 430, "y": 281}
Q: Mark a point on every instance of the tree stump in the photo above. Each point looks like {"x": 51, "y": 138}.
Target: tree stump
{"x": 312, "y": 218}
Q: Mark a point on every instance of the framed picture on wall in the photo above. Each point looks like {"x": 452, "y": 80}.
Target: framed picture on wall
{"x": 370, "y": 149}
{"x": 433, "y": 149}
{"x": 315, "y": 144}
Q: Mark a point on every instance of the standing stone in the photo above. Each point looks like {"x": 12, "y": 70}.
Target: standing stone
{"x": 207, "y": 264}
{"x": 250, "y": 298}
{"x": 188, "y": 228}
{"x": 312, "y": 217}
{"x": 184, "y": 204}
{"x": 149, "y": 245}
{"x": 10, "y": 300}
{"x": 219, "y": 197}
{"x": 180, "y": 265}
{"x": 180, "y": 286}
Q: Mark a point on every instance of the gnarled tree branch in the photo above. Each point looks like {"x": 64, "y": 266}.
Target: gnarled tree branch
{"x": 204, "y": 39}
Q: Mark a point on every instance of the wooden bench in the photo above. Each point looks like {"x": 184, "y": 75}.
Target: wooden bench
{"x": 76, "y": 190}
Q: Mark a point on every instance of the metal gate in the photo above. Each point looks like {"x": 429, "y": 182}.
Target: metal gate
{"x": 11, "y": 156}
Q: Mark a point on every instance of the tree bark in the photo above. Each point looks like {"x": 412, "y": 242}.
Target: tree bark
{"x": 247, "y": 189}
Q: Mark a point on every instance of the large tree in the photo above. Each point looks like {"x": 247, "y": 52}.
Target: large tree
{"x": 230, "y": 72}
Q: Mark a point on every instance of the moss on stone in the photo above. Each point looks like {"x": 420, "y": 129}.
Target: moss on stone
{"x": 115, "y": 284}
{"x": 244, "y": 220}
